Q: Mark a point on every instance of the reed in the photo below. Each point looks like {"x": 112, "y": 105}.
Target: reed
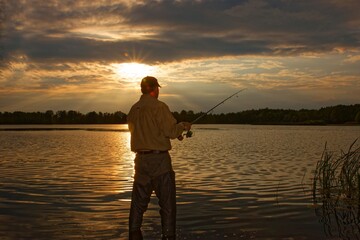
{"x": 336, "y": 192}
{"x": 337, "y": 177}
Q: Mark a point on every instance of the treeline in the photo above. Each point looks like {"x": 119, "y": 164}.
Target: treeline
{"x": 340, "y": 114}
{"x": 61, "y": 117}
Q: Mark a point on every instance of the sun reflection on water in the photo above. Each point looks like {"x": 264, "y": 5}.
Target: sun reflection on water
{"x": 124, "y": 167}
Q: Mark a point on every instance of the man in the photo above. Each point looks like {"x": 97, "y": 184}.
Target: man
{"x": 152, "y": 125}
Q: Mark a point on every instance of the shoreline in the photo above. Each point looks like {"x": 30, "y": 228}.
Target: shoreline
{"x": 262, "y": 123}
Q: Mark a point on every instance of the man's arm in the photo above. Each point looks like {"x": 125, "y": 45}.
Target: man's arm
{"x": 169, "y": 126}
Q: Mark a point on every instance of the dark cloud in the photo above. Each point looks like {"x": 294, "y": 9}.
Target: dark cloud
{"x": 2, "y": 33}
{"x": 178, "y": 30}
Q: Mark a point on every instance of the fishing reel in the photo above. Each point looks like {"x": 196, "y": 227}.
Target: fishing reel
{"x": 188, "y": 134}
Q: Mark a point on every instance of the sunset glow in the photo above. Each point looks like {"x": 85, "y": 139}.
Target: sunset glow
{"x": 84, "y": 56}
{"x": 133, "y": 71}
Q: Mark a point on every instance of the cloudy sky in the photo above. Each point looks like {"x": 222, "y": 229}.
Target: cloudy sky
{"x": 91, "y": 55}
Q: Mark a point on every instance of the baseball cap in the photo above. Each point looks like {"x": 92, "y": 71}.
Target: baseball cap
{"x": 150, "y": 82}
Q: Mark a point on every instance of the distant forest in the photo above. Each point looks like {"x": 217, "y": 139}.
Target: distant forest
{"x": 340, "y": 114}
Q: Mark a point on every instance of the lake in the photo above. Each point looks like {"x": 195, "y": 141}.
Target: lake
{"x": 233, "y": 182}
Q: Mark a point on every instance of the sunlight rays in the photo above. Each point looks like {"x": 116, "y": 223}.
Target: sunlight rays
{"x": 133, "y": 72}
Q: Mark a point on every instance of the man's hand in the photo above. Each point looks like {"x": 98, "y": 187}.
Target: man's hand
{"x": 187, "y": 126}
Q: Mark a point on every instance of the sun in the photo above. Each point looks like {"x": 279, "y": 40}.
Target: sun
{"x": 133, "y": 71}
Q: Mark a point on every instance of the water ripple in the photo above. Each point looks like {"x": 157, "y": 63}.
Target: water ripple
{"x": 233, "y": 182}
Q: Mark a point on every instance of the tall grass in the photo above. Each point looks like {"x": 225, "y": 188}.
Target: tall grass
{"x": 336, "y": 189}
{"x": 337, "y": 178}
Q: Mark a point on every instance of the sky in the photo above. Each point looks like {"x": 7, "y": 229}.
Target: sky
{"x": 91, "y": 55}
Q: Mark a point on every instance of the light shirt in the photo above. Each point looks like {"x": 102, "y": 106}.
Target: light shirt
{"x": 152, "y": 125}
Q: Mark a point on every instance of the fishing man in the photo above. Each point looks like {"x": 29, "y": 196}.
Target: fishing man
{"x": 152, "y": 125}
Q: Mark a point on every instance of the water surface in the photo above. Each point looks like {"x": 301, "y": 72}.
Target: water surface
{"x": 233, "y": 181}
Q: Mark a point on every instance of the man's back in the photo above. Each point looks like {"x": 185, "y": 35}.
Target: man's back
{"x": 152, "y": 125}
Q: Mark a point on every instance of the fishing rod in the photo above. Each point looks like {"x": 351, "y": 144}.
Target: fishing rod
{"x": 189, "y": 133}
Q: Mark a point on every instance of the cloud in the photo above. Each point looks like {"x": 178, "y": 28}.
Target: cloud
{"x": 165, "y": 31}
{"x": 352, "y": 59}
